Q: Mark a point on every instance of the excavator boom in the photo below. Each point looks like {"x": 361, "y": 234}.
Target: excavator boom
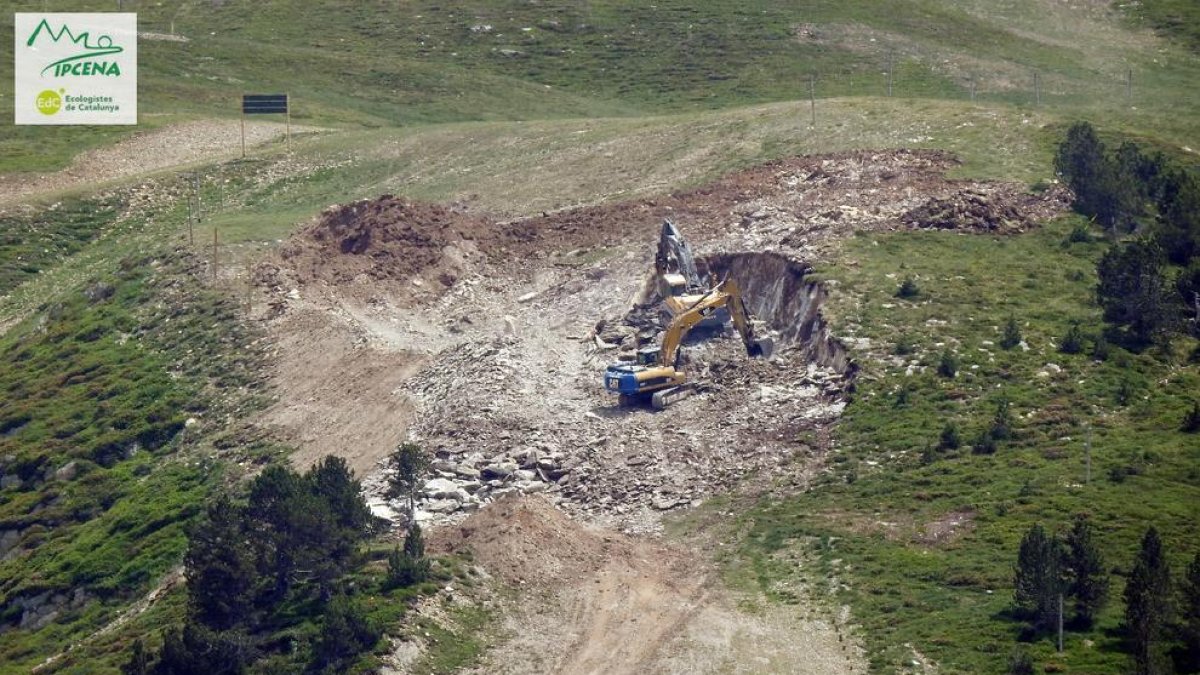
{"x": 675, "y": 265}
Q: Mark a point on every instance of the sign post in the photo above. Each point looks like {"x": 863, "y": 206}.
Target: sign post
{"x": 265, "y": 104}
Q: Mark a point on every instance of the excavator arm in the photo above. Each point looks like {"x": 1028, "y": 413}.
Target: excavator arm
{"x": 726, "y": 294}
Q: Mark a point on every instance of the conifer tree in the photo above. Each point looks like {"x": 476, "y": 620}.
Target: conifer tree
{"x": 1189, "y": 610}
{"x": 220, "y": 568}
{"x": 1038, "y": 578}
{"x": 409, "y": 464}
{"x": 1085, "y": 565}
{"x": 1012, "y": 334}
{"x": 1147, "y": 604}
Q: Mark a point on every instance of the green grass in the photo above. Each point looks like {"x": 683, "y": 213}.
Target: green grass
{"x": 866, "y": 521}
{"x": 33, "y": 242}
{"x": 106, "y": 377}
{"x": 1178, "y": 19}
{"x": 379, "y": 64}
{"x": 457, "y": 646}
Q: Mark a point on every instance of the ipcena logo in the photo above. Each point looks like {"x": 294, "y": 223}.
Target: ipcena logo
{"x": 84, "y": 63}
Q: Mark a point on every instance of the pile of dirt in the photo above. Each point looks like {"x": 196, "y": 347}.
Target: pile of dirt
{"x": 527, "y": 540}
{"x": 389, "y": 238}
{"x": 996, "y": 209}
{"x": 395, "y": 239}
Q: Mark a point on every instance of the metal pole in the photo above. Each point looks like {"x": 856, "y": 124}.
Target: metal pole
{"x": 243, "y": 132}
{"x": 1037, "y": 87}
{"x": 1088, "y": 446}
{"x": 191, "y": 217}
{"x": 287, "y": 103}
{"x": 891, "y": 58}
{"x": 214, "y": 264}
{"x": 812, "y": 98}
{"x": 1060, "y": 623}
{"x": 1129, "y": 84}
{"x": 972, "y": 91}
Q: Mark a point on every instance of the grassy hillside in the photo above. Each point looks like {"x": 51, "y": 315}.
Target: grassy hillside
{"x": 419, "y": 62}
{"x": 119, "y": 385}
{"x": 925, "y": 539}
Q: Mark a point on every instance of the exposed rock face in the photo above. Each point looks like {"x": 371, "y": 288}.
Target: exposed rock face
{"x": 777, "y": 292}
{"x": 39, "y": 610}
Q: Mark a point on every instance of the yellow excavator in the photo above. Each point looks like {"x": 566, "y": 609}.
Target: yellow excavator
{"x": 656, "y": 371}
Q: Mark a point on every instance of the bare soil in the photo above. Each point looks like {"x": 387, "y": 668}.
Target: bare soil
{"x": 594, "y": 601}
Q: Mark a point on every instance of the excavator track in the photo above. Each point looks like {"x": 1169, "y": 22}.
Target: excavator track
{"x": 666, "y": 397}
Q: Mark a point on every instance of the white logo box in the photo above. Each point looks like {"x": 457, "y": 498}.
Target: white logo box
{"x": 75, "y": 68}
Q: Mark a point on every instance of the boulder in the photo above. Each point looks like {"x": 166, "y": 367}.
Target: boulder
{"x": 68, "y": 471}
{"x": 440, "y": 488}
{"x": 499, "y": 470}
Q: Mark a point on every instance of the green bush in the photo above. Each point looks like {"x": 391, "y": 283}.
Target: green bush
{"x": 1080, "y": 234}
{"x": 1012, "y": 334}
{"x": 949, "y": 439}
{"x": 1191, "y": 421}
{"x": 1072, "y": 342}
{"x": 908, "y": 289}
{"x": 346, "y": 632}
{"x": 947, "y": 364}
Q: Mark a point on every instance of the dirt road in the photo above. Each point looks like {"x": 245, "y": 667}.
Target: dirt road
{"x": 142, "y": 154}
{"x": 593, "y": 601}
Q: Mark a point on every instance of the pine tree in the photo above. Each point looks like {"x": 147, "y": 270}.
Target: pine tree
{"x": 947, "y": 365}
{"x": 1133, "y": 291}
{"x": 1012, "y": 334}
{"x": 1189, "y": 610}
{"x": 1038, "y": 578}
{"x": 1072, "y": 342}
{"x": 1002, "y": 421}
{"x": 1147, "y": 603}
{"x": 1191, "y": 421}
{"x": 1083, "y": 163}
{"x": 332, "y": 480}
{"x": 220, "y": 568}
{"x": 409, "y": 464}
{"x": 408, "y": 566}
{"x": 414, "y": 543}
{"x": 139, "y": 660}
{"x": 908, "y": 289}
{"x": 1179, "y": 231}
{"x": 272, "y": 506}
{"x": 1085, "y": 566}
{"x": 950, "y": 439}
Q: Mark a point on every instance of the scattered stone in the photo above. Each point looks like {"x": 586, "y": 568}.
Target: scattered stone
{"x": 67, "y": 472}
{"x": 500, "y": 470}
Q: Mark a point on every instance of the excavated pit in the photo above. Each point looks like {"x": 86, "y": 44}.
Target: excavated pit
{"x": 777, "y": 290}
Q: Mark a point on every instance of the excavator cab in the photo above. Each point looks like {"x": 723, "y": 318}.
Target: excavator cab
{"x": 648, "y": 356}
